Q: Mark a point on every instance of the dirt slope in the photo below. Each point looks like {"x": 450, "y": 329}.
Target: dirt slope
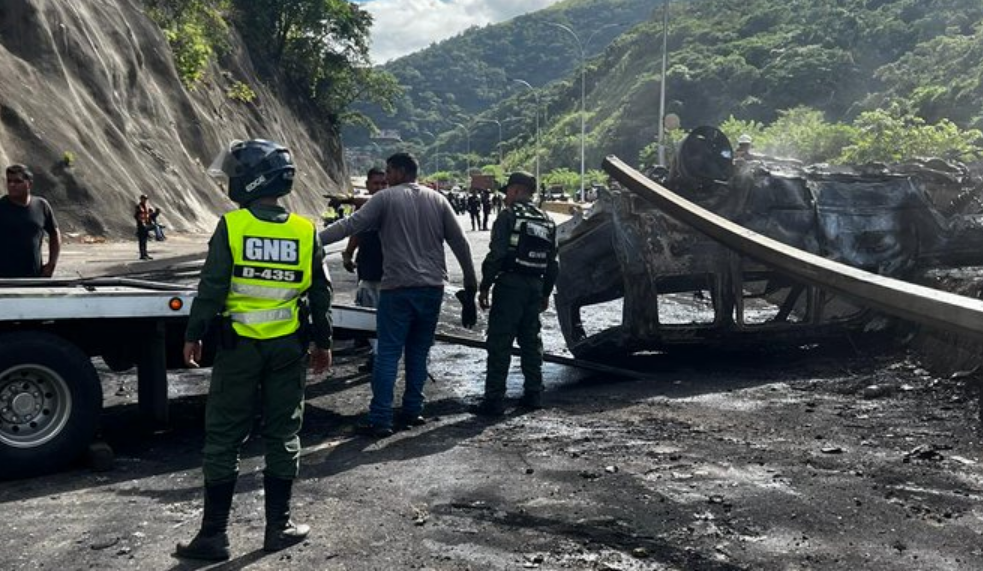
{"x": 96, "y": 79}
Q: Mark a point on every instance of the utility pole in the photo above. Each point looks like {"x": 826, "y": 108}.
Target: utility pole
{"x": 662, "y": 89}
{"x": 582, "y": 46}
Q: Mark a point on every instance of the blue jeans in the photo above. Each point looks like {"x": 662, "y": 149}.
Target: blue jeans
{"x": 406, "y": 320}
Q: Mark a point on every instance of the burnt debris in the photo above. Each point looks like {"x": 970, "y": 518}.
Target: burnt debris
{"x": 678, "y": 287}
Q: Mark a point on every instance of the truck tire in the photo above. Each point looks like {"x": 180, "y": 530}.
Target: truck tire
{"x": 50, "y": 402}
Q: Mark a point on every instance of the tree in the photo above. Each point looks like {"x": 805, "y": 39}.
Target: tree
{"x": 321, "y": 45}
{"x": 895, "y": 134}
{"x": 495, "y": 170}
{"x": 563, "y": 177}
{"x": 195, "y": 30}
{"x": 804, "y": 134}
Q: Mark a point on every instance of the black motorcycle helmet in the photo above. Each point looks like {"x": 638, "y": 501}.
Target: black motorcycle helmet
{"x": 255, "y": 168}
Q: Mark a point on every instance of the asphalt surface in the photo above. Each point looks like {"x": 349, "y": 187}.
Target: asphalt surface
{"x": 784, "y": 460}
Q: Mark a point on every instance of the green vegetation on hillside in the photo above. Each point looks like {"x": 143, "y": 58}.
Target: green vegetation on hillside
{"x": 189, "y": 26}
{"x": 843, "y": 74}
{"x": 465, "y": 75}
{"x": 821, "y": 80}
{"x": 836, "y": 80}
{"x": 319, "y": 46}
{"x": 883, "y": 135}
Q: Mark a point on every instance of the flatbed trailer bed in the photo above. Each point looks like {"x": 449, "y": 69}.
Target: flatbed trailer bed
{"x": 50, "y": 329}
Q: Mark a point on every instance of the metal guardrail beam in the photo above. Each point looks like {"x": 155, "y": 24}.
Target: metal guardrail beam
{"x": 549, "y": 358}
{"x": 934, "y": 308}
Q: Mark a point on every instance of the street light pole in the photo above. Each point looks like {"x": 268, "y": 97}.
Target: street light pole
{"x": 467, "y": 132}
{"x": 536, "y": 96}
{"x": 583, "y": 91}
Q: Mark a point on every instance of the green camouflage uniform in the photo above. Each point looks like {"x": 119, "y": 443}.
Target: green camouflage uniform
{"x": 269, "y": 371}
{"x": 517, "y": 300}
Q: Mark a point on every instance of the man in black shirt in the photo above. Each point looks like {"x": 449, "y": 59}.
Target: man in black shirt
{"x": 474, "y": 209}
{"x": 368, "y": 261}
{"x": 143, "y": 214}
{"x": 24, "y": 219}
{"x": 486, "y": 207}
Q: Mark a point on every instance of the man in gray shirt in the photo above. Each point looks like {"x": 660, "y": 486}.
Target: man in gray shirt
{"x": 413, "y": 223}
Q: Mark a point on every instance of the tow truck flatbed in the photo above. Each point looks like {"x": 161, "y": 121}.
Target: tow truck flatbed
{"x": 50, "y": 329}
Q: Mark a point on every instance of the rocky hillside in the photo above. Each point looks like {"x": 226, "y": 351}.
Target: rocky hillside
{"x": 92, "y": 102}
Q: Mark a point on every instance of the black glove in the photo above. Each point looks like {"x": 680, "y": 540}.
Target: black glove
{"x": 469, "y": 311}
{"x": 347, "y": 262}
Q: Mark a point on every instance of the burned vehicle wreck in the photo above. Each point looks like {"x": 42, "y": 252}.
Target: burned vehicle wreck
{"x": 634, "y": 279}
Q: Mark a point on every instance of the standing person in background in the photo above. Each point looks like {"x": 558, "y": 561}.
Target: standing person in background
{"x": 413, "y": 223}
{"x": 522, "y": 266}
{"x": 743, "y": 151}
{"x": 368, "y": 262}
{"x": 474, "y": 210}
{"x": 24, "y": 220}
{"x": 486, "y": 207}
{"x": 262, "y": 260}
{"x": 142, "y": 215}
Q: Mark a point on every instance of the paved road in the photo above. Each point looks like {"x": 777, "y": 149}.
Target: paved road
{"x": 729, "y": 462}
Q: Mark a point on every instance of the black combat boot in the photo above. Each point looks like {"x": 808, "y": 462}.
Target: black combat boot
{"x": 212, "y": 541}
{"x": 531, "y": 400}
{"x": 490, "y": 407}
{"x": 280, "y": 531}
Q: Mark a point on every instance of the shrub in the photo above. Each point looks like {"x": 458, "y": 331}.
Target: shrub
{"x": 241, "y": 92}
{"x": 196, "y": 30}
{"x": 803, "y": 133}
{"x": 192, "y": 52}
{"x": 895, "y": 134}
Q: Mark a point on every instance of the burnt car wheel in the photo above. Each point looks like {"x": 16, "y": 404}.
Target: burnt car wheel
{"x": 50, "y": 400}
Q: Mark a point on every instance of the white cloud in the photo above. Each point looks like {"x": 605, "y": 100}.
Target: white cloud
{"x": 404, "y": 26}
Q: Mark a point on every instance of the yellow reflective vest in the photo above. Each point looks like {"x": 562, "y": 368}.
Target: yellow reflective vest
{"x": 271, "y": 270}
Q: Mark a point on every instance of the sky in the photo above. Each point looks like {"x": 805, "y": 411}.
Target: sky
{"x": 404, "y": 26}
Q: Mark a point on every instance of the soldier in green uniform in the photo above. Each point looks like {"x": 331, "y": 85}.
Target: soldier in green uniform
{"x": 262, "y": 262}
{"x": 522, "y": 266}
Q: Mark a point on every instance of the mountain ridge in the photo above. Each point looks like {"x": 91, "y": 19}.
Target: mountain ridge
{"x": 462, "y": 86}
{"x": 752, "y": 59}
